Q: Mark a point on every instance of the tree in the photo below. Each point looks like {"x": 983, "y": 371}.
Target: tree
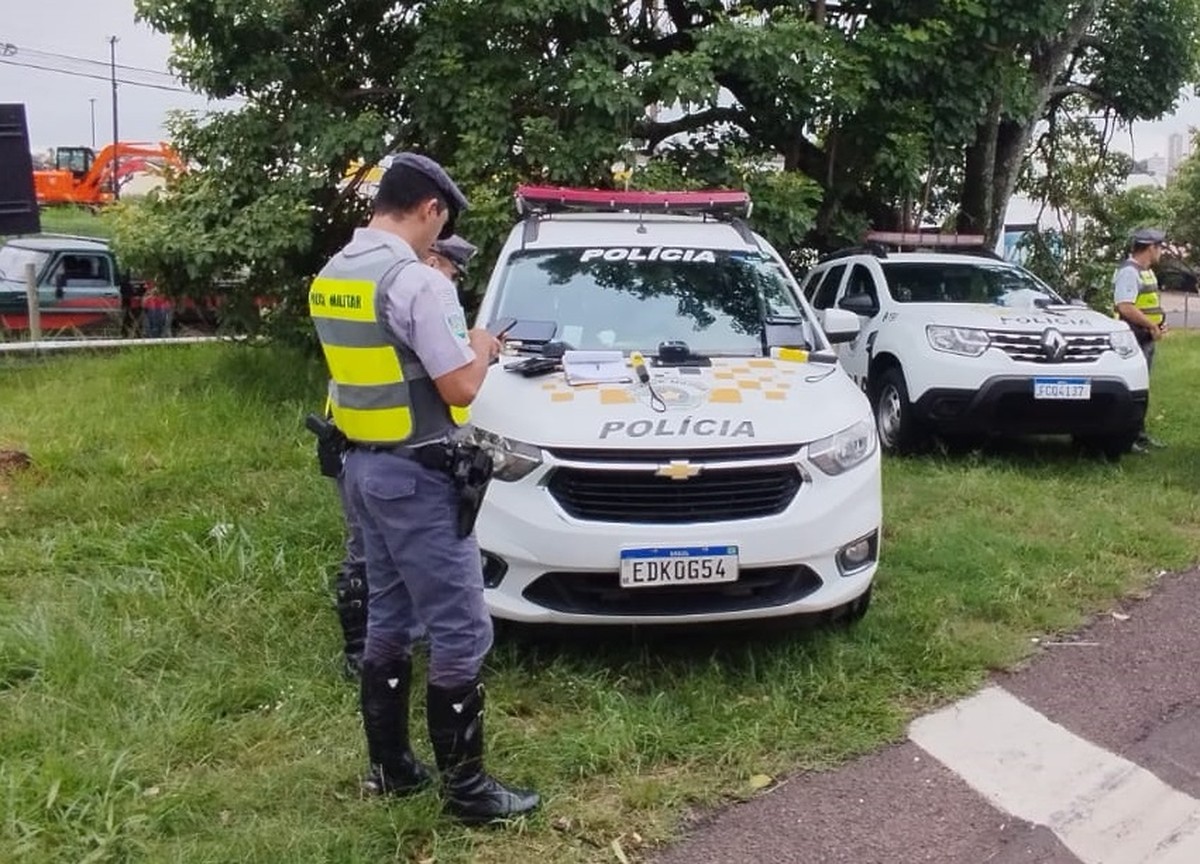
{"x": 879, "y": 113}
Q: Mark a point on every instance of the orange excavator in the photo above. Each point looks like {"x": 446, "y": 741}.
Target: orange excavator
{"x": 81, "y": 176}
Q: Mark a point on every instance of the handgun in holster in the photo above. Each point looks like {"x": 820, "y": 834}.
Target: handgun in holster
{"x": 472, "y": 472}
{"x": 331, "y": 444}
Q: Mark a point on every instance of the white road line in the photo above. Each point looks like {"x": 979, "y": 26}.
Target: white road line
{"x": 1105, "y": 809}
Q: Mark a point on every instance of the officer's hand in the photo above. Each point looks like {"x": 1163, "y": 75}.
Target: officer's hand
{"x": 484, "y": 343}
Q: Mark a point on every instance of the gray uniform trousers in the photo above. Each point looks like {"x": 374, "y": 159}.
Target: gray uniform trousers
{"x": 422, "y": 576}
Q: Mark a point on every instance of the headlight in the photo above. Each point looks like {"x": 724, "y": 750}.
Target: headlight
{"x": 1124, "y": 343}
{"x": 513, "y": 459}
{"x": 957, "y": 340}
{"x": 843, "y": 451}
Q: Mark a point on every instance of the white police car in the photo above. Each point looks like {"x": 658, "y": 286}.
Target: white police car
{"x": 968, "y": 345}
{"x": 740, "y": 479}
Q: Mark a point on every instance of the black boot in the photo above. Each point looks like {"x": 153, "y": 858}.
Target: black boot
{"x": 351, "y": 589}
{"x": 456, "y": 730}
{"x": 394, "y": 770}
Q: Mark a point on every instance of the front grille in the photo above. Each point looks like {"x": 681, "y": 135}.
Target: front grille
{"x": 602, "y": 594}
{"x": 641, "y": 497}
{"x": 1027, "y": 347}
{"x": 1020, "y": 412}
{"x": 696, "y": 457}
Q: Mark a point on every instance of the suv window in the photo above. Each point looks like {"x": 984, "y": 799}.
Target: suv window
{"x": 826, "y": 292}
{"x": 861, "y": 283}
{"x": 715, "y": 300}
{"x": 996, "y": 283}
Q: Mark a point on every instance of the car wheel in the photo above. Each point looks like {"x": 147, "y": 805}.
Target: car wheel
{"x": 894, "y": 417}
{"x": 852, "y": 612}
{"x": 1111, "y": 447}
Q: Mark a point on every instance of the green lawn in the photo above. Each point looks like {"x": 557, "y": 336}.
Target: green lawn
{"x": 168, "y": 650}
{"x": 76, "y": 220}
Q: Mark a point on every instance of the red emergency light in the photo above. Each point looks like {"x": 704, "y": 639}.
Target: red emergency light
{"x": 533, "y": 199}
{"x": 924, "y": 239}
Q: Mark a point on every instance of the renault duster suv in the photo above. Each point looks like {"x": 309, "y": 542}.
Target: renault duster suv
{"x": 967, "y": 345}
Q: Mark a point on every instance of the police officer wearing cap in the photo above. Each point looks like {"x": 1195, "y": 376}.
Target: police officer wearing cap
{"x": 1136, "y": 302}
{"x": 451, "y": 256}
{"x": 403, "y": 369}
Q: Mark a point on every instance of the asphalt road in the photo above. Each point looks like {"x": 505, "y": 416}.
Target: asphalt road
{"x": 1183, "y": 310}
{"x": 1090, "y": 755}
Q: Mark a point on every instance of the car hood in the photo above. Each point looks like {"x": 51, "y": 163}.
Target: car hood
{"x": 1068, "y": 319}
{"x": 734, "y": 403}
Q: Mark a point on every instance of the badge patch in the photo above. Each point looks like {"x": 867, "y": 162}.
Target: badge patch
{"x": 457, "y": 323}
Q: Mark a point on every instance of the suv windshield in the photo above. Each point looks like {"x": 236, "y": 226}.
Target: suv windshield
{"x": 633, "y": 299}
{"x": 13, "y": 260}
{"x": 996, "y": 283}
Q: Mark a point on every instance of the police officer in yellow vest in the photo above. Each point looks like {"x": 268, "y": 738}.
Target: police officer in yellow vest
{"x": 1136, "y": 302}
{"x": 403, "y": 369}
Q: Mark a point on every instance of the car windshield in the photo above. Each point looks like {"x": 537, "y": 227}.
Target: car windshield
{"x": 997, "y": 283}
{"x": 13, "y": 260}
{"x": 716, "y": 301}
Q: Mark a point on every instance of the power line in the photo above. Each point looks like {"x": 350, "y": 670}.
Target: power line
{"x": 94, "y": 63}
{"x": 26, "y": 50}
{"x": 78, "y": 74}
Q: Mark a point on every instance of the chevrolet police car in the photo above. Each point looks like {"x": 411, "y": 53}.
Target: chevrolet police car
{"x": 969, "y": 345}
{"x": 673, "y": 437}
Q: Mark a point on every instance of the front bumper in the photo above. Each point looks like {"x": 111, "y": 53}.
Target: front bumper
{"x": 544, "y": 566}
{"x": 1005, "y": 405}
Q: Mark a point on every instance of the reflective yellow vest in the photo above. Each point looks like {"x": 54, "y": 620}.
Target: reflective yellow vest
{"x": 1147, "y": 296}
{"x": 379, "y": 393}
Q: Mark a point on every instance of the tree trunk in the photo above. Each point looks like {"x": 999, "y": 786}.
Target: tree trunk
{"x": 993, "y": 162}
{"x": 975, "y": 203}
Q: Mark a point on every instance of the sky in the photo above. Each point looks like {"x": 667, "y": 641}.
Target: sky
{"x": 59, "y": 112}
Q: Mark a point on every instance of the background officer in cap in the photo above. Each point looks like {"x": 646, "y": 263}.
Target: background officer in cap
{"x": 451, "y": 256}
{"x": 404, "y": 367}
{"x": 1135, "y": 298}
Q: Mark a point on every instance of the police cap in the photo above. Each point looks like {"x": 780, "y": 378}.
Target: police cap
{"x": 1148, "y": 237}
{"x": 433, "y": 172}
{"x": 456, "y": 250}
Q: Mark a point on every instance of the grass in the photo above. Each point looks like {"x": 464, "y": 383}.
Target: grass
{"x": 79, "y": 221}
{"x": 168, "y": 649}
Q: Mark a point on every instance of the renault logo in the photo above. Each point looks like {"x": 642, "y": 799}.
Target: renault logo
{"x": 678, "y": 470}
{"x": 1054, "y": 345}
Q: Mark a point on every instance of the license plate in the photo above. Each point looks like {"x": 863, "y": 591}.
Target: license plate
{"x": 1062, "y": 388}
{"x": 691, "y": 565}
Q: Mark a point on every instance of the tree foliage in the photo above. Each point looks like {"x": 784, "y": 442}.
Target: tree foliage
{"x": 879, "y": 113}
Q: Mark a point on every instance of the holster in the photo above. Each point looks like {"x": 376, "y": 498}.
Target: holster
{"x": 471, "y": 470}
{"x": 331, "y": 445}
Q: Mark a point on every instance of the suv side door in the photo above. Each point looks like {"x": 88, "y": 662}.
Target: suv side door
{"x": 860, "y": 294}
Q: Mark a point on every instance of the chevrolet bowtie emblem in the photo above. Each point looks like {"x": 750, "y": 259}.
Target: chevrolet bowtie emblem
{"x": 678, "y": 470}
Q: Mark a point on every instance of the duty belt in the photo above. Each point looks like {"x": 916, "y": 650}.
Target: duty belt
{"x": 437, "y": 456}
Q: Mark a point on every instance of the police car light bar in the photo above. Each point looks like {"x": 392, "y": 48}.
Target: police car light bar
{"x": 923, "y": 238}
{"x": 531, "y": 199}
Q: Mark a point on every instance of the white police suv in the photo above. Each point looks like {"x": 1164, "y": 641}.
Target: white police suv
{"x": 967, "y": 345}
{"x": 674, "y": 439}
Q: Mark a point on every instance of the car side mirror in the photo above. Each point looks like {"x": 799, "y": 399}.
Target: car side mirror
{"x": 859, "y": 304}
{"x": 841, "y": 325}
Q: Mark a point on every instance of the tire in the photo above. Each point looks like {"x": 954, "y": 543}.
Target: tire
{"x": 1111, "y": 447}
{"x": 895, "y": 420}
{"x": 852, "y": 612}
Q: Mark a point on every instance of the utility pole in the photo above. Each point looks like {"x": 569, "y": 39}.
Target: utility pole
{"x": 112, "y": 43}
{"x": 93, "y": 101}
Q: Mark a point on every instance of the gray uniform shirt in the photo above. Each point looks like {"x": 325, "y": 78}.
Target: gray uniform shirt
{"x": 420, "y": 308}
{"x": 1125, "y": 283}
